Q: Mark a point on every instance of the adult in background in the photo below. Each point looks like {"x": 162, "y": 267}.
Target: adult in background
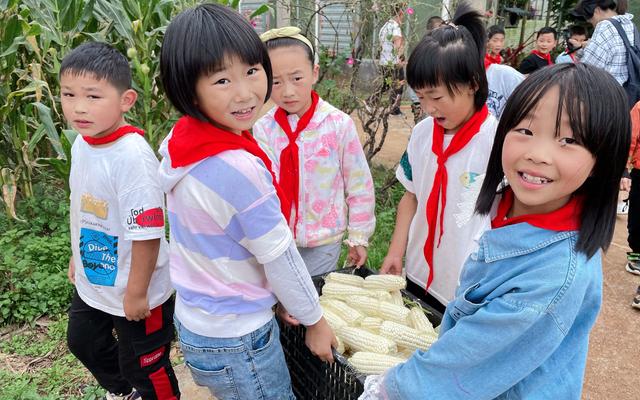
{"x": 606, "y": 48}
{"x": 391, "y": 57}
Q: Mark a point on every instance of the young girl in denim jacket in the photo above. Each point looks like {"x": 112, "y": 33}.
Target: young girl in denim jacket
{"x": 317, "y": 156}
{"x": 232, "y": 256}
{"x": 528, "y": 298}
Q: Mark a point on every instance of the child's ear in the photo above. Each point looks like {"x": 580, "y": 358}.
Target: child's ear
{"x": 128, "y": 99}
{"x": 316, "y": 73}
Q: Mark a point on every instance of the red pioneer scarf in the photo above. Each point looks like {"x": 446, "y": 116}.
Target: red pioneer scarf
{"x": 546, "y": 57}
{"x": 289, "y": 158}
{"x": 566, "y": 218}
{"x": 112, "y": 137}
{"x": 439, "y": 189}
{"x": 193, "y": 140}
{"x": 489, "y": 59}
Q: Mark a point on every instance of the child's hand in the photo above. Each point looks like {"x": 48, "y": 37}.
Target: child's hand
{"x": 71, "y": 272}
{"x": 136, "y": 307}
{"x": 320, "y": 340}
{"x": 357, "y": 256}
{"x": 285, "y": 317}
{"x": 625, "y": 184}
{"x": 391, "y": 265}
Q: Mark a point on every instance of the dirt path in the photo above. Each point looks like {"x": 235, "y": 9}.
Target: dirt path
{"x": 614, "y": 349}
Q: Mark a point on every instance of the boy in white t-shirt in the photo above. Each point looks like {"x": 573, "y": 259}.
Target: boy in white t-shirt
{"x": 119, "y": 264}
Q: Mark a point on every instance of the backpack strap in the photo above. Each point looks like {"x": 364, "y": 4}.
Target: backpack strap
{"x": 623, "y": 35}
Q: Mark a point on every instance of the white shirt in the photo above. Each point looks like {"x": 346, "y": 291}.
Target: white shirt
{"x": 502, "y": 80}
{"x": 389, "y": 55}
{"x": 115, "y": 199}
{"x": 466, "y": 170}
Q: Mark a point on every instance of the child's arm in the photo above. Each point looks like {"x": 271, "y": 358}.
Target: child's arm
{"x": 407, "y": 207}
{"x": 71, "y": 272}
{"x": 359, "y": 194}
{"x": 144, "y": 254}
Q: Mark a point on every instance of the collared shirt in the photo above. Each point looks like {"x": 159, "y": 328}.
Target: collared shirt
{"x": 606, "y": 49}
{"x": 518, "y": 327}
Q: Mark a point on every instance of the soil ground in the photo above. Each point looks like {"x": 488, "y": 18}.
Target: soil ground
{"x": 614, "y": 349}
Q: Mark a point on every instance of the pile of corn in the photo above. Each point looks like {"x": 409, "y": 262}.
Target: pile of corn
{"x": 371, "y": 322}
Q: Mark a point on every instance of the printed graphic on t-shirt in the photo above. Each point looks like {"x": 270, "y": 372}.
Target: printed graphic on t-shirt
{"x": 471, "y": 182}
{"x": 495, "y": 103}
{"x": 140, "y": 218}
{"x": 92, "y": 205}
{"x": 99, "y": 254}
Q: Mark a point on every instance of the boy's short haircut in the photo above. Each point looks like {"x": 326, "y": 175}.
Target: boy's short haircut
{"x": 577, "y": 30}
{"x": 432, "y": 21}
{"x": 547, "y": 29}
{"x": 495, "y": 30}
{"x": 100, "y": 60}
{"x": 183, "y": 59}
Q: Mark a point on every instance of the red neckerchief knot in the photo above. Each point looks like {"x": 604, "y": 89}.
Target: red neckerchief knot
{"x": 290, "y": 156}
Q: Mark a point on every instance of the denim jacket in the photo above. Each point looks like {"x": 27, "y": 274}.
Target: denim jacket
{"x": 518, "y": 327}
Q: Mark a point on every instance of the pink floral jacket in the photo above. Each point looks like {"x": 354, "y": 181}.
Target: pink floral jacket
{"x": 336, "y": 188}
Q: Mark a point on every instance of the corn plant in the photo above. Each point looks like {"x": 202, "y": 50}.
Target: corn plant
{"x": 34, "y": 37}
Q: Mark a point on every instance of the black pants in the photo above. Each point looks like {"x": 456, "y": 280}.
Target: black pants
{"x": 633, "y": 218}
{"x": 138, "y": 358}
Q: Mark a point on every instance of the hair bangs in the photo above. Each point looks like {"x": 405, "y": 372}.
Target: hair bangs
{"x": 100, "y": 61}
{"x": 599, "y": 119}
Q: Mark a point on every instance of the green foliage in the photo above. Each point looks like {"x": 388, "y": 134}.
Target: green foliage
{"x": 34, "y": 256}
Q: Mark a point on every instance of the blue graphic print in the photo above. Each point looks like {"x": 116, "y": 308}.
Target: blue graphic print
{"x": 99, "y": 254}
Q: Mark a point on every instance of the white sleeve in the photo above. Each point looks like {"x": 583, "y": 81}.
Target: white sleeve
{"x": 292, "y": 285}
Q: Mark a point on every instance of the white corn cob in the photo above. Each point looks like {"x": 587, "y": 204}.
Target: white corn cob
{"x": 405, "y": 336}
{"x": 340, "y": 348}
{"x": 371, "y": 324}
{"x": 396, "y": 298}
{"x": 342, "y": 291}
{"x": 372, "y": 363}
{"x": 357, "y": 339}
{"x": 419, "y": 321}
{"x": 385, "y": 282}
{"x": 367, "y": 305}
{"x": 381, "y": 295}
{"x": 392, "y": 312}
{"x": 350, "y": 315}
{"x": 334, "y": 320}
{"x": 346, "y": 279}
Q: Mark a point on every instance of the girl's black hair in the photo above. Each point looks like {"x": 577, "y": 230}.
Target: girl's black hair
{"x": 102, "y": 61}
{"x": 199, "y": 41}
{"x": 452, "y": 56}
{"x": 599, "y": 118}
{"x": 288, "y": 42}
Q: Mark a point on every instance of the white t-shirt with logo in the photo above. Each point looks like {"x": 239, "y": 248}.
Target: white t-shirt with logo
{"x": 462, "y": 228}
{"x": 389, "y": 55}
{"x": 502, "y": 80}
{"x": 115, "y": 199}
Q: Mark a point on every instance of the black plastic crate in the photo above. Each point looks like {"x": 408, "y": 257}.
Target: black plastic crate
{"x": 313, "y": 379}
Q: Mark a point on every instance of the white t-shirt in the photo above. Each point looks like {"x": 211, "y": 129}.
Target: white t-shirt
{"x": 115, "y": 199}
{"x": 389, "y": 55}
{"x": 462, "y": 228}
{"x": 502, "y": 80}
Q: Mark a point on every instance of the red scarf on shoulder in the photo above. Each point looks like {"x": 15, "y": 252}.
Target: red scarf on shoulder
{"x": 566, "y": 218}
{"x": 290, "y": 156}
{"x": 193, "y": 140}
{"x": 115, "y": 135}
{"x": 546, "y": 57}
{"x": 489, "y": 59}
{"x": 439, "y": 188}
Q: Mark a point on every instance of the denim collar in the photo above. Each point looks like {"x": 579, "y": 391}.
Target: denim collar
{"x": 516, "y": 240}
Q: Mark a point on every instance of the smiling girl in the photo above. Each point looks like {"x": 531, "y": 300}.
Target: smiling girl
{"x": 528, "y": 298}
{"x": 232, "y": 256}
